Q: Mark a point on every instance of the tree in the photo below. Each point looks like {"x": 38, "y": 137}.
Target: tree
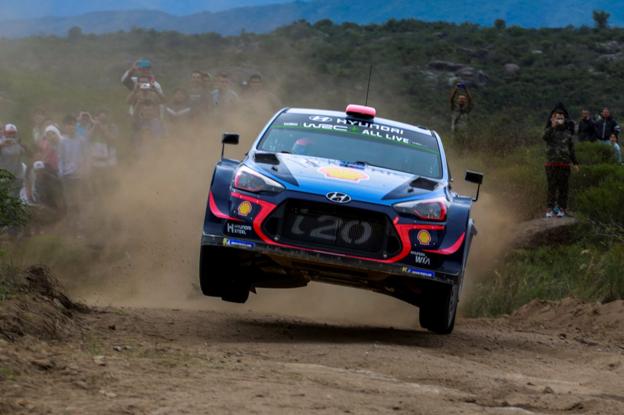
{"x": 500, "y": 24}
{"x": 74, "y": 33}
{"x": 601, "y": 18}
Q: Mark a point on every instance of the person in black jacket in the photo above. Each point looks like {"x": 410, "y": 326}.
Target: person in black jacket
{"x": 606, "y": 125}
{"x": 560, "y": 108}
{"x": 586, "y": 130}
{"x": 560, "y": 158}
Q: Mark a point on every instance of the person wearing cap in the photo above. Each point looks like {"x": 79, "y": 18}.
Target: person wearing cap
{"x": 140, "y": 71}
{"x": 12, "y": 157}
{"x": 47, "y": 148}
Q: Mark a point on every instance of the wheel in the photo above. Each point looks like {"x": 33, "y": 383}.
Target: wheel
{"x": 438, "y": 310}
{"x": 215, "y": 280}
{"x": 209, "y": 284}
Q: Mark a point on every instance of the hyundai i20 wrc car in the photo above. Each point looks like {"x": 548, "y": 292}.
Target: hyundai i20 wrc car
{"x": 343, "y": 198}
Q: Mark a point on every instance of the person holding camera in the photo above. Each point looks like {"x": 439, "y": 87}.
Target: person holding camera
{"x": 461, "y": 106}
{"x": 140, "y": 72}
{"x": 560, "y": 158}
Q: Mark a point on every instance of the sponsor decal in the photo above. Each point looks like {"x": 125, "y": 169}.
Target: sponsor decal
{"x": 235, "y": 243}
{"x": 424, "y": 237}
{"x": 320, "y": 118}
{"x": 421, "y": 259}
{"x": 344, "y": 173}
{"x": 238, "y": 229}
{"x": 291, "y": 124}
{"x": 420, "y": 272}
{"x": 244, "y": 209}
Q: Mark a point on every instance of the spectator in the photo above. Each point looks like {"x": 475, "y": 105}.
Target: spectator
{"x": 146, "y": 102}
{"x": 12, "y": 157}
{"x": 199, "y": 93}
{"x": 585, "y": 130}
{"x": 43, "y": 192}
{"x": 569, "y": 124}
{"x": 461, "y": 106}
{"x": 140, "y": 72}
{"x": 606, "y": 125}
{"x": 560, "y": 156}
{"x": 223, "y": 96}
{"x": 179, "y": 110}
{"x": 39, "y": 118}
{"x": 613, "y": 139}
{"x": 73, "y": 170}
{"x": 103, "y": 152}
{"x": 47, "y": 148}
{"x": 258, "y": 96}
{"x": 84, "y": 125}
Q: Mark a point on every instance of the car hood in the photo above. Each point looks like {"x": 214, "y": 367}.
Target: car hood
{"x": 362, "y": 182}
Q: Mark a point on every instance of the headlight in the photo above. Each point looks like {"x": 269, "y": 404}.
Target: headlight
{"x": 433, "y": 209}
{"x": 251, "y": 181}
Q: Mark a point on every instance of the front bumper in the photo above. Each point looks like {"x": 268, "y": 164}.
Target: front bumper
{"x": 325, "y": 259}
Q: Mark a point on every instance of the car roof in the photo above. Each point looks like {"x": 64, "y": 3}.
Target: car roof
{"x": 376, "y": 120}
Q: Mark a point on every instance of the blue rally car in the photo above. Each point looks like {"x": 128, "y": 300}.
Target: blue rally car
{"x": 344, "y": 198}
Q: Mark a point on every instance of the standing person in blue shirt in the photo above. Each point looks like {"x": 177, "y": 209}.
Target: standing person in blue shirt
{"x": 73, "y": 169}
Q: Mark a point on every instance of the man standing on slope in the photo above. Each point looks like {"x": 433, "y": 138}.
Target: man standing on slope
{"x": 560, "y": 156}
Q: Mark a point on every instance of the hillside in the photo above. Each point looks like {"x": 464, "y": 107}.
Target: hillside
{"x": 264, "y": 18}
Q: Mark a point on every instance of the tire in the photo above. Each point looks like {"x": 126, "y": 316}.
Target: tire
{"x": 438, "y": 310}
{"x": 215, "y": 280}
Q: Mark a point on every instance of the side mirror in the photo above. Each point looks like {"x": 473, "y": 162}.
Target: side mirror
{"x": 476, "y": 178}
{"x": 228, "y": 138}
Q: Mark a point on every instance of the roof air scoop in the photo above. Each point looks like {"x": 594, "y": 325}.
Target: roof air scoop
{"x": 361, "y": 111}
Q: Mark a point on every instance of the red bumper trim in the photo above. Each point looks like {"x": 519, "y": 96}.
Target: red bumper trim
{"x": 451, "y": 249}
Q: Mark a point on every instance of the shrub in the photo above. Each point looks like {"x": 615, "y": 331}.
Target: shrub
{"x": 594, "y": 153}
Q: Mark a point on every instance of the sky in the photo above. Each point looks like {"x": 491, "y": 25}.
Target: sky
{"x": 26, "y": 9}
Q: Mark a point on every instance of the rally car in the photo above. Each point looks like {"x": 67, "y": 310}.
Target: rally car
{"x": 343, "y": 198}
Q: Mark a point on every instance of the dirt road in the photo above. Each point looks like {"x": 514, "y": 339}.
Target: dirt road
{"x": 164, "y": 361}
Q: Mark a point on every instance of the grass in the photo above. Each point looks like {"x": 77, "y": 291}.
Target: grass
{"x": 588, "y": 272}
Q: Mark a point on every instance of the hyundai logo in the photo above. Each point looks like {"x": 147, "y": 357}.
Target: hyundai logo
{"x": 320, "y": 118}
{"x": 338, "y": 197}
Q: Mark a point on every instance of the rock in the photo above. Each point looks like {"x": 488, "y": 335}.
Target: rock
{"x": 511, "y": 68}
{"x": 537, "y": 52}
{"x": 473, "y": 77}
{"x": 112, "y": 327}
{"x": 108, "y": 394}
{"x": 610, "y": 47}
{"x": 548, "y": 390}
{"x": 99, "y": 360}
{"x": 117, "y": 348}
{"x": 610, "y": 58}
{"x": 43, "y": 364}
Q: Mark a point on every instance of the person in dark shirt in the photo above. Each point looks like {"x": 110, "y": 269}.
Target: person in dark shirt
{"x": 606, "y": 125}
{"x": 586, "y": 130}
{"x": 560, "y": 157}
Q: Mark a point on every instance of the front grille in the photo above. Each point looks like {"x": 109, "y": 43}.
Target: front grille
{"x": 334, "y": 228}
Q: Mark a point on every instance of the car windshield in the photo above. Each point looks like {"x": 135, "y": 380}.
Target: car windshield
{"x": 355, "y": 141}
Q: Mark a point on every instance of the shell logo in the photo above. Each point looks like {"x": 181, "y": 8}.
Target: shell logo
{"x": 344, "y": 173}
{"x": 244, "y": 209}
{"x": 424, "y": 237}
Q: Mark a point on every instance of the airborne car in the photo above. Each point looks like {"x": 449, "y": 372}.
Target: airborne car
{"x": 343, "y": 198}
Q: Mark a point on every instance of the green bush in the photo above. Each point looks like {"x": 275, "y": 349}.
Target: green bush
{"x": 550, "y": 273}
{"x": 594, "y": 153}
{"x": 603, "y": 203}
